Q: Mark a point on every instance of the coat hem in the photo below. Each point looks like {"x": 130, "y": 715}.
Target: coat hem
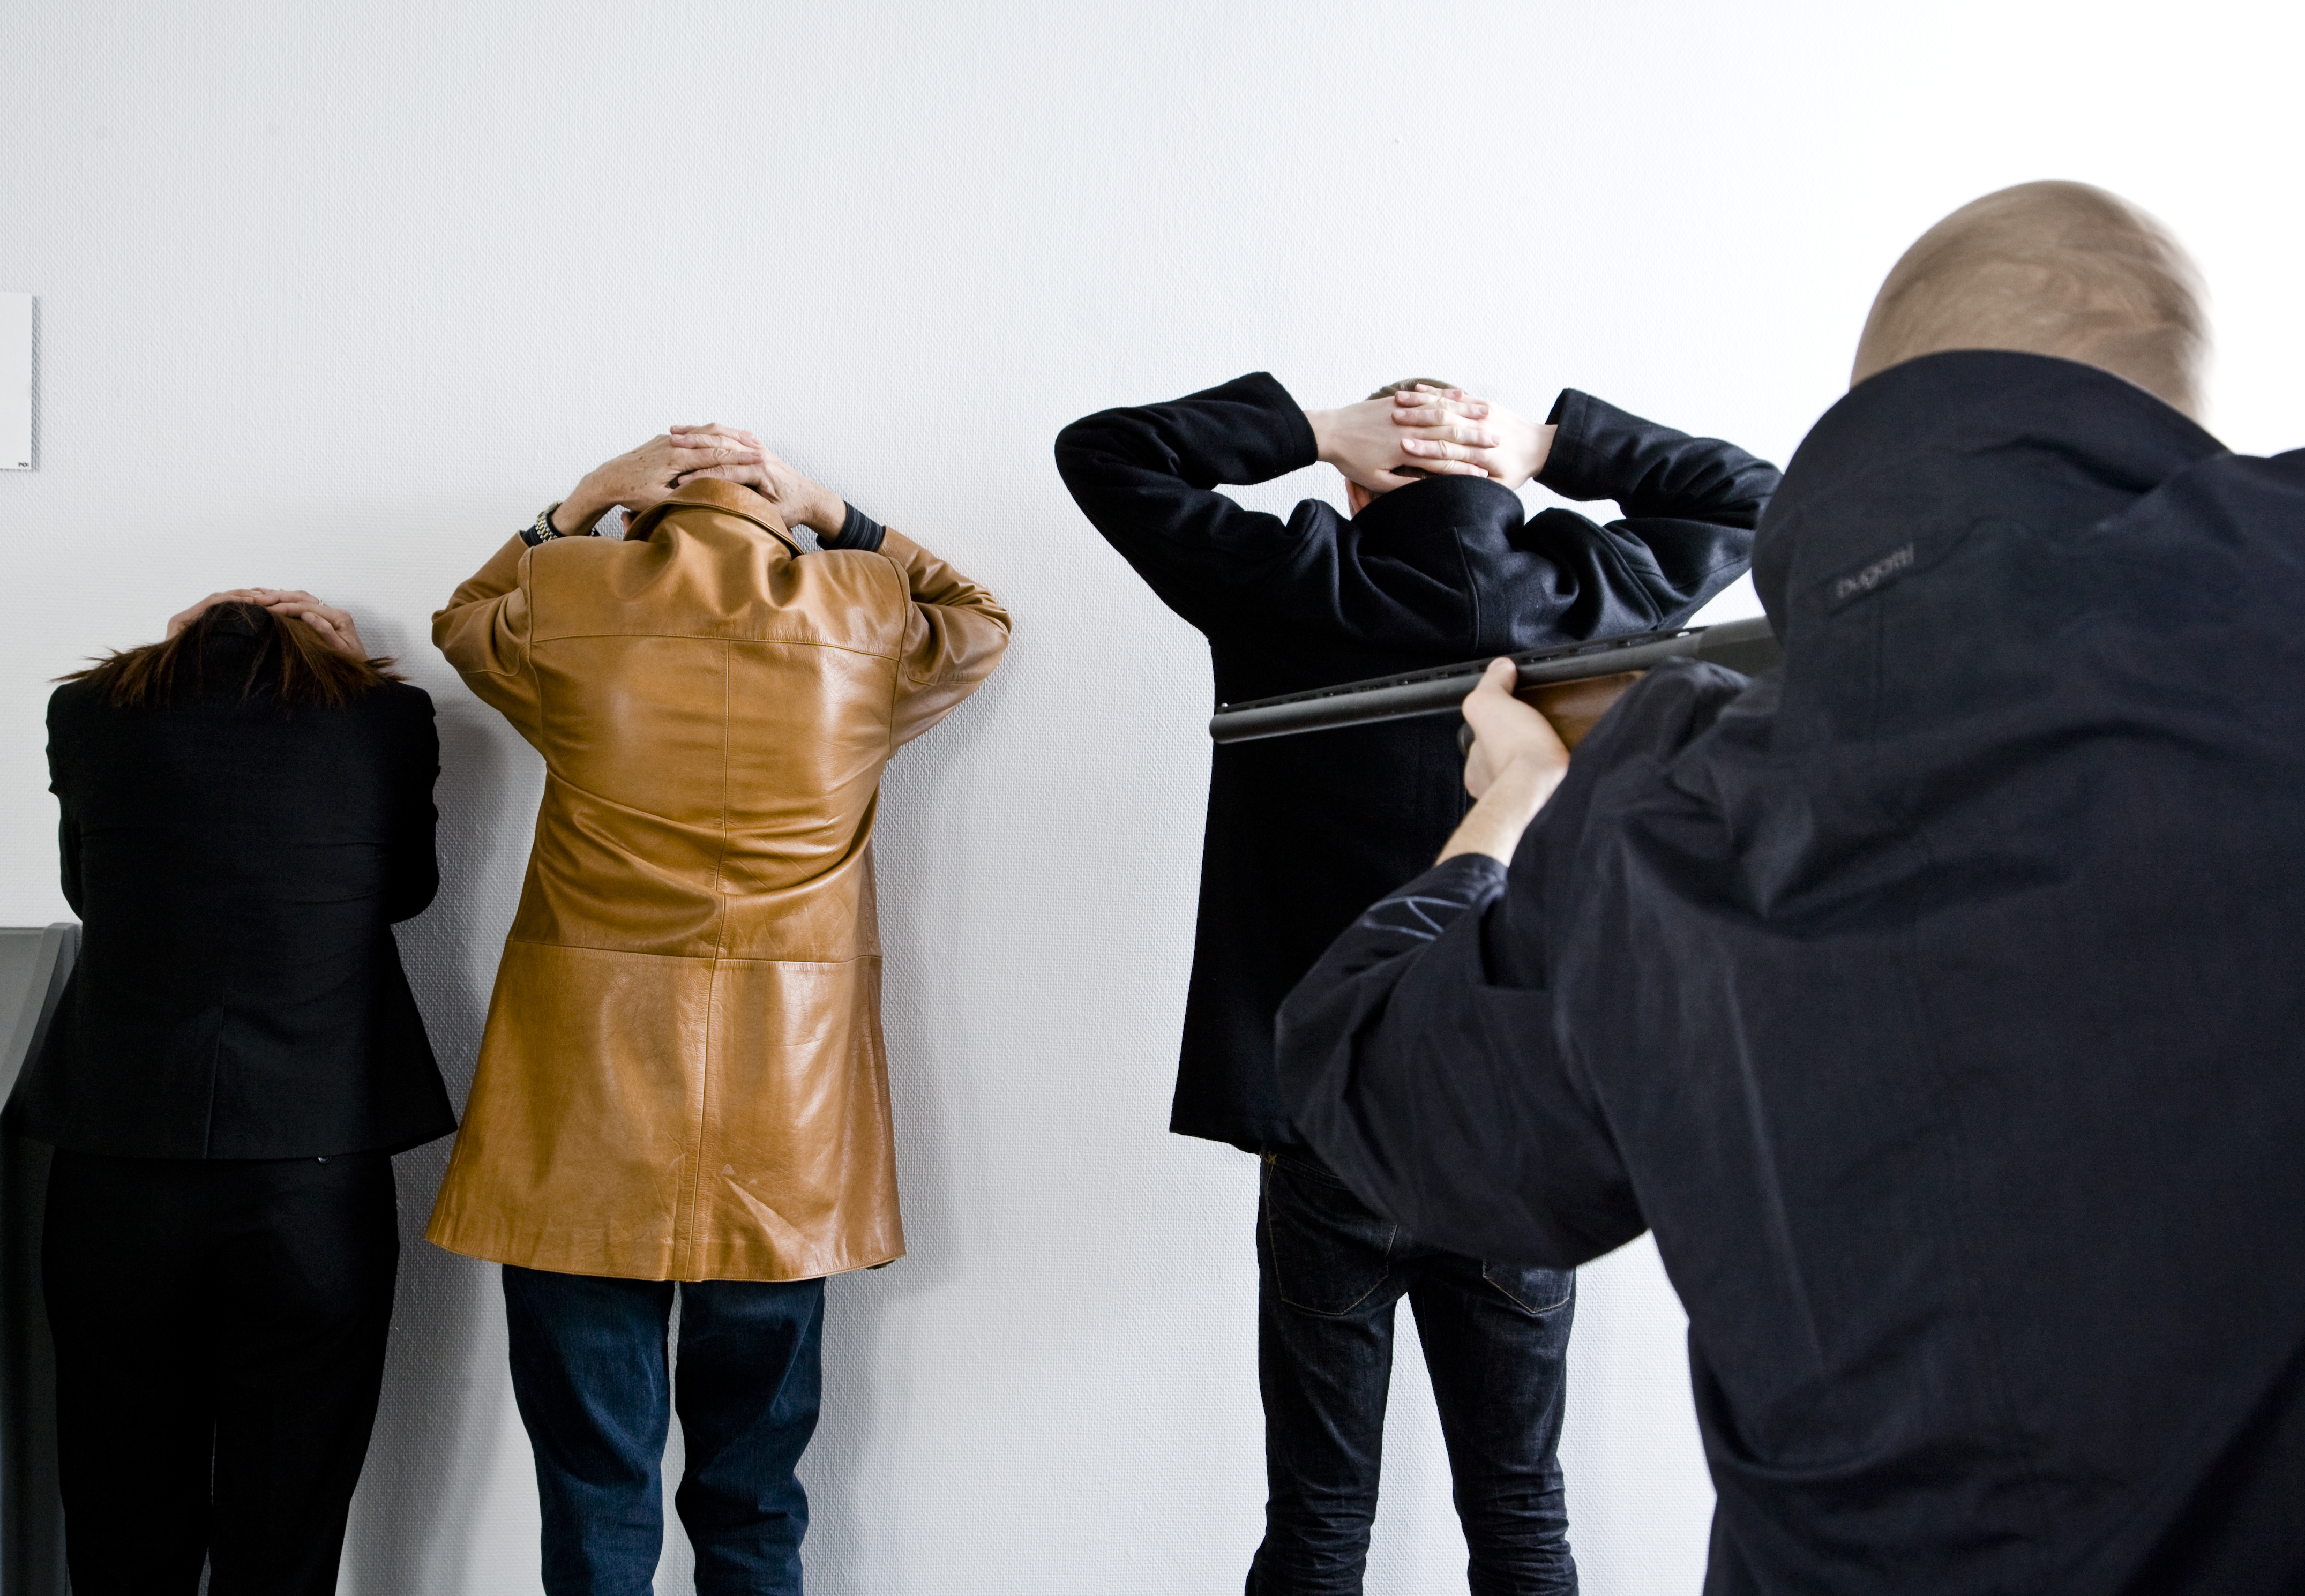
{"x": 533, "y": 1258}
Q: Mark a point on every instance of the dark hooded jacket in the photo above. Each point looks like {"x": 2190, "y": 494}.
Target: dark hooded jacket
{"x": 1936, "y": 1001}
{"x": 1304, "y": 831}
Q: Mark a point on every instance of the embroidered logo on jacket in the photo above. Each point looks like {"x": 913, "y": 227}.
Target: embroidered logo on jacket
{"x": 1859, "y": 583}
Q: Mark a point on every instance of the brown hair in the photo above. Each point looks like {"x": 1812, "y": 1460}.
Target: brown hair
{"x": 1406, "y": 385}
{"x": 303, "y": 668}
{"x": 2056, "y": 269}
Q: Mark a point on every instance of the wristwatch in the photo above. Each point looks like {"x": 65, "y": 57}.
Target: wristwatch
{"x": 542, "y": 531}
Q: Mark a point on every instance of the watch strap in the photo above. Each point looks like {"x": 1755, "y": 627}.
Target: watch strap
{"x": 542, "y": 531}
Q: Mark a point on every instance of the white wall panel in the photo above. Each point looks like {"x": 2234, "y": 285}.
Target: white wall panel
{"x": 337, "y": 296}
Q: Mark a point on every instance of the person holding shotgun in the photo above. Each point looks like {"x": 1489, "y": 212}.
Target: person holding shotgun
{"x": 1933, "y": 998}
{"x": 1438, "y": 561}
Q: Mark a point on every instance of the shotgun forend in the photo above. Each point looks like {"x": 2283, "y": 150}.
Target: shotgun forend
{"x": 1574, "y": 686}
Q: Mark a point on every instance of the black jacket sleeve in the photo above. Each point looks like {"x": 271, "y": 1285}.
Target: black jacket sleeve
{"x": 413, "y": 872}
{"x": 1146, "y": 477}
{"x": 1431, "y": 1058}
{"x": 1403, "y": 575}
{"x": 1440, "y": 1094}
{"x": 1689, "y": 504}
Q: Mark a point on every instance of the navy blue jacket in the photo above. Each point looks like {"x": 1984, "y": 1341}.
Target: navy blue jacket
{"x": 1304, "y": 831}
{"x": 1937, "y": 1000}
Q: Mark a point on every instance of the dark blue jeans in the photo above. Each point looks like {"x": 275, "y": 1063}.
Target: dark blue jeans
{"x": 590, "y": 1374}
{"x": 1496, "y": 1344}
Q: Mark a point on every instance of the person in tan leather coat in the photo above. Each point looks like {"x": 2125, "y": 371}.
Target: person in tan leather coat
{"x": 683, "y": 1078}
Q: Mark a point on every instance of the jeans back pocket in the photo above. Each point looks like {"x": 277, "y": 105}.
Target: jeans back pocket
{"x": 1531, "y": 1290}
{"x": 1328, "y": 1253}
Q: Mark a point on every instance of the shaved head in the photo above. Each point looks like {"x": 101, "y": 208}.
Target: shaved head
{"x": 2057, "y": 268}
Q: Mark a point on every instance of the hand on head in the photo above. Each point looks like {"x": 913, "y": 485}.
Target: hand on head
{"x": 334, "y": 626}
{"x": 646, "y": 477}
{"x": 637, "y": 479}
{"x": 1427, "y": 429}
{"x": 732, "y": 455}
{"x": 185, "y": 617}
{"x": 1450, "y": 425}
{"x": 1363, "y": 442}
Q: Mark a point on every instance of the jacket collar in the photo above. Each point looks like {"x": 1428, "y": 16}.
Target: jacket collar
{"x": 1444, "y": 501}
{"x": 1958, "y": 436}
{"x": 711, "y": 493}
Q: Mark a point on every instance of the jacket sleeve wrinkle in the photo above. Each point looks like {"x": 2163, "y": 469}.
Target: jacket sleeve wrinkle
{"x": 484, "y": 633}
{"x": 1688, "y": 505}
{"x": 955, "y": 632}
{"x": 1439, "y": 1094}
{"x": 1146, "y": 477}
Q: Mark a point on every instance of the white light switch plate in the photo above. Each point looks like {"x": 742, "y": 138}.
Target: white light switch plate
{"x": 15, "y": 382}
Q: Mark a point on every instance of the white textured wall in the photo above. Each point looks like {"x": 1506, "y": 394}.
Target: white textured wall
{"x": 337, "y": 295}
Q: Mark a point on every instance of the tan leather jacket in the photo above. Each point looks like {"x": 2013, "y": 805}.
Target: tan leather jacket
{"x": 682, "y": 1075}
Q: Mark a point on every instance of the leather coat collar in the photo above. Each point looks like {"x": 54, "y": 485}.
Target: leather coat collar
{"x": 711, "y": 493}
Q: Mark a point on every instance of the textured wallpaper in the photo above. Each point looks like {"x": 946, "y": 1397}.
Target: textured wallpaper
{"x": 339, "y": 296}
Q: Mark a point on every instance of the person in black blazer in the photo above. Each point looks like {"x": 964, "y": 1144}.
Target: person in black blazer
{"x": 1440, "y": 562}
{"x": 247, "y": 809}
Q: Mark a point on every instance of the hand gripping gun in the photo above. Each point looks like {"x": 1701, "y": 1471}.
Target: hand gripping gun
{"x": 1572, "y": 687}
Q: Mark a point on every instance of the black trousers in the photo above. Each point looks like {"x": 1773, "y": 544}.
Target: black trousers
{"x": 220, "y": 1335}
{"x": 1496, "y": 1345}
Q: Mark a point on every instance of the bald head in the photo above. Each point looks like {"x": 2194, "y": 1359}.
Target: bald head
{"x": 2057, "y": 268}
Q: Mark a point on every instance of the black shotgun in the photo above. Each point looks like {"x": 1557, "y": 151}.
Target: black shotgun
{"x": 1573, "y": 686}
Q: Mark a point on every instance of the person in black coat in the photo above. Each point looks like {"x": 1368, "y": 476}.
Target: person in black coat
{"x": 1933, "y": 999}
{"x": 1304, "y": 831}
{"x": 247, "y": 809}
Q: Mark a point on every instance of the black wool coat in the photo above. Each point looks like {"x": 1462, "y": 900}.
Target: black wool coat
{"x": 237, "y": 869}
{"x": 1304, "y": 831}
{"x": 1933, "y": 999}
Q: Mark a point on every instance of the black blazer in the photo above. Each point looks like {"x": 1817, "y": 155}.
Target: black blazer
{"x": 237, "y": 869}
{"x": 1936, "y": 1001}
{"x": 1304, "y": 831}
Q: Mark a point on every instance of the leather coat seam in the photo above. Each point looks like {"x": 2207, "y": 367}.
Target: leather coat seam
{"x": 715, "y": 958}
{"x": 720, "y": 941}
{"x": 706, "y": 637}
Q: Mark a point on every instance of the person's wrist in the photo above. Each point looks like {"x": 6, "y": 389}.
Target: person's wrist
{"x": 1507, "y": 807}
{"x": 1540, "y": 448}
{"x": 1323, "y": 423}
{"x": 578, "y": 512}
{"x": 1536, "y": 774}
{"x": 826, "y": 512}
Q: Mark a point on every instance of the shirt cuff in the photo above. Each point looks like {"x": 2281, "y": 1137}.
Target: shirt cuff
{"x": 859, "y": 531}
{"x": 1470, "y": 878}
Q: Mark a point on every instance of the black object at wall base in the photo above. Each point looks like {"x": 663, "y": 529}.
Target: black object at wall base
{"x": 33, "y": 965}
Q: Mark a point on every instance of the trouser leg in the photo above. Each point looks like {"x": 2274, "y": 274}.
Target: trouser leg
{"x": 120, "y": 1268}
{"x": 1326, "y": 1287}
{"x": 300, "y": 1290}
{"x": 1496, "y": 1344}
{"x": 589, "y": 1378}
{"x": 747, "y": 1383}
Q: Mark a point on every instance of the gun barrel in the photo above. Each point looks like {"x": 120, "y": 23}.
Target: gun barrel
{"x": 1746, "y": 646}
